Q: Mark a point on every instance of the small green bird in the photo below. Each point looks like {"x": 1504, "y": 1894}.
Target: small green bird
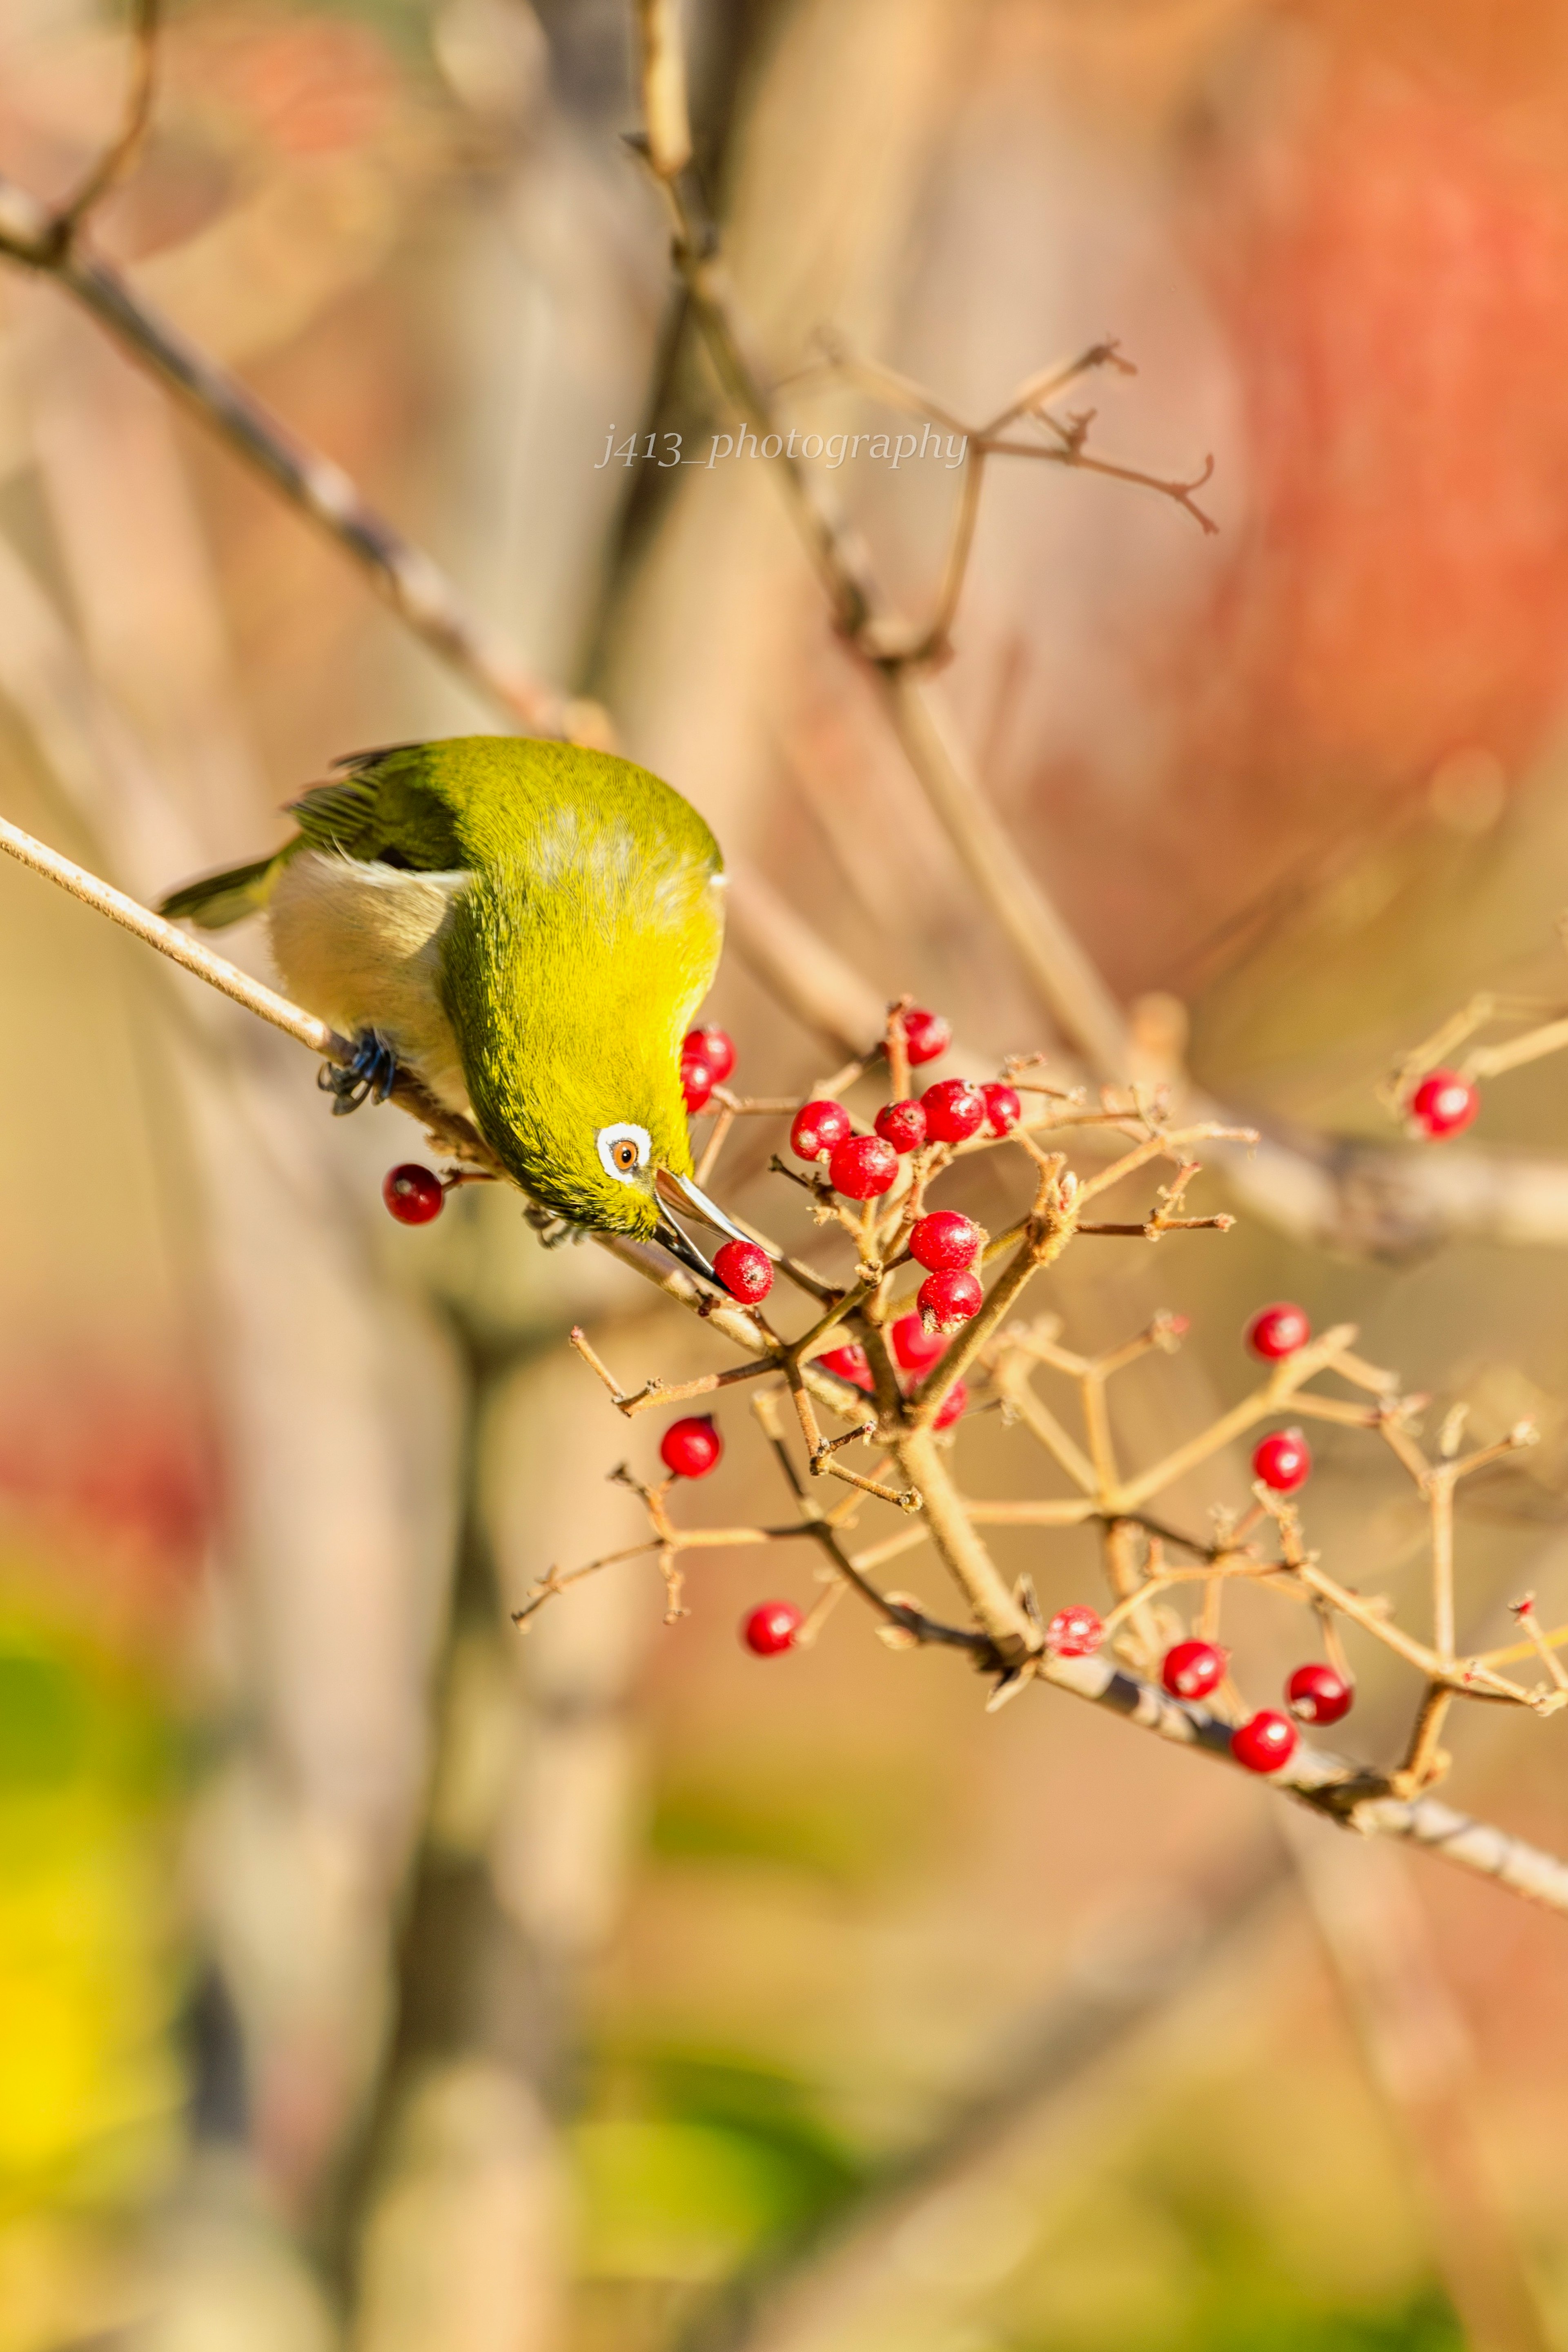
{"x": 530, "y": 928}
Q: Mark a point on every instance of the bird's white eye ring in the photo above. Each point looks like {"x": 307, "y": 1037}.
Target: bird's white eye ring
{"x": 623, "y": 1150}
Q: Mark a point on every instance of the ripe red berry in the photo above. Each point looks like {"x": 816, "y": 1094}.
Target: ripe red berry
{"x": 413, "y": 1194}
{"x": 862, "y": 1167}
{"x": 953, "y": 1404}
{"x": 1264, "y": 1742}
{"x": 691, "y": 1448}
{"x": 745, "y": 1270}
{"x": 902, "y": 1124}
{"x": 1319, "y": 1694}
{"x": 1192, "y": 1669}
{"x": 1074, "y": 1632}
{"x": 850, "y": 1363}
{"x": 1278, "y": 1331}
{"x": 916, "y": 1347}
{"x": 925, "y": 1035}
{"x": 953, "y": 1110}
{"x": 1444, "y": 1103}
{"x": 1003, "y": 1108}
{"x": 950, "y": 1299}
{"x": 696, "y": 1081}
{"x": 770, "y": 1628}
{"x": 816, "y": 1128}
{"x": 944, "y": 1242}
{"x": 1284, "y": 1462}
{"x": 714, "y": 1046}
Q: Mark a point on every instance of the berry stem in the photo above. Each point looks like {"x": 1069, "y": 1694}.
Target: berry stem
{"x": 963, "y": 1551}
{"x": 897, "y": 1050}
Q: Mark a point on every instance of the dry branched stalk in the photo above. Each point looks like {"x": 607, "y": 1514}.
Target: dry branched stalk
{"x": 904, "y": 1423}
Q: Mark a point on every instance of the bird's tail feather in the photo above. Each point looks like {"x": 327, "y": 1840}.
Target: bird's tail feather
{"x": 219, "y": 900}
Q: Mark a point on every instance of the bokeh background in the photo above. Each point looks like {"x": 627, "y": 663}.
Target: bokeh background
{"x": 370, "y": 1978}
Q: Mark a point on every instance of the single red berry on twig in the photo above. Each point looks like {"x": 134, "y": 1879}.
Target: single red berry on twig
{"x": 1192, "y": 1669}
{"x": 953, "y": 1110}
{"x": 916, "y": 1347}
{"x": 850, "y": 1363}
{"x": 950, "y": 1299}
{"x": 1278, "y": 1331}
{"x": 1075, "y": 1633}
{"x": 696, "y": 1081}
{"x": 745, "y": 1269}
{"x": 953, "y": 1404}
{"x": 816, "y": 1128}
{"x": 691, "y": 1448}
{"x": 714, "y": 1046}
{"x": 1319, "y": 1694}
{"x": 902, "y": 1124}
{"x": 413, "y": 1193}
{"x": 770, "y": 1628}
{"x": 1284, "y": 1462}
{"x": 944, "y": 1242}
{"x": 1264, "y": 1742}
{"x": 1444, "y": 1103}
{"x": 862, "y": 1167}
{"x": 925, "y": 1035}
{"x": 1003, "y": 1108}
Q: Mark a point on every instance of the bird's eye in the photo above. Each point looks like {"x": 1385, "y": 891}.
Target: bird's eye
{"x": 623, "y": 1150}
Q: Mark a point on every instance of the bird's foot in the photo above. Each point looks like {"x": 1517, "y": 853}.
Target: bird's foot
{"x": 367, "y": 1078}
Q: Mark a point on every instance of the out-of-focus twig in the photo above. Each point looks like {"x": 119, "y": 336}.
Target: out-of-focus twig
{"x": 50, "y": 242}
{"x": 68, "y": 218}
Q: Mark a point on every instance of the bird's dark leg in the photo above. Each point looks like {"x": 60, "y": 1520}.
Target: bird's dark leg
{"x": 367, "y": 1078}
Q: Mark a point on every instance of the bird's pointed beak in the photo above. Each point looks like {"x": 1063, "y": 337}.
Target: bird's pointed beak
{"x": 670, "y": 1236}
{"x": 679, "y": 1192}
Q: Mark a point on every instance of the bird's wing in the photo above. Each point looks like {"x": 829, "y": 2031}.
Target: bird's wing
{"x": 385, "y": 809}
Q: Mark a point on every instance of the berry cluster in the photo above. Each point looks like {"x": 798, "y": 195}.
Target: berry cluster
{"x": 707, "y": 1058}
{"x": 901, "y": 1330}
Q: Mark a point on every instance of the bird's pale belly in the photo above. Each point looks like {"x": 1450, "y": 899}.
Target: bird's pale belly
{"x": 358, "y": 945}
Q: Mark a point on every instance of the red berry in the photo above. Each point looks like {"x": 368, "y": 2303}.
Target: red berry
{"x": 850, "y": 1363}
{"x": 1278, "y": 1331}
{"x": 1075, "y": 1633}
{"x": 696, "y": 1081}
{"x": 1192, "y": 1669}
{"x": 953, "y": 1110}
{"x": 770, "y": 1628}
{"x": 916, "y": 1347}
{"x": 1003, "y": 1108}
{"x": 1444, "y": 1103}
{"x": 944, "y": 1242}
{"x": 1284, "y": 1462}
{"x": 691, "y": 1448}
{"x": 953, "y": 1404}
{"x": 714, "y": 1046}
{"x": 950, "y": 1299}
{"x": 745, "y": 1270}
{"x": 862, "y": 1167}
{"x": 902, "y": 1124}
{"x": 816, "y": 1128}
{"x": 1319, "y": 1694}
{"x": 1264, "y": 1742}
{"x": 926, "y": 1036}
{"x": 413, "y": 1194}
